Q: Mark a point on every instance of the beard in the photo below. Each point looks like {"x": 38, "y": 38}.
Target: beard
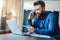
{"x": 39, "y": 15}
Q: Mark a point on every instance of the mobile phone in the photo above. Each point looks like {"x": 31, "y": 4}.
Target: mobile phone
{"x": 34, "y": 13}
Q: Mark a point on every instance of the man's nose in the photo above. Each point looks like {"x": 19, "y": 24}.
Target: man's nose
{"x": 36, "y": 11}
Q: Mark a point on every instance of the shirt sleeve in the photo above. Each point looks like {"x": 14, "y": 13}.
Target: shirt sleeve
{"x": 29, "y": 22}
{"x": 32, "y": 22}
{"x": 51, "y": 26}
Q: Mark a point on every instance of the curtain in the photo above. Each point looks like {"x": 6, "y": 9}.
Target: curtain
{"x": 14, "y": 6}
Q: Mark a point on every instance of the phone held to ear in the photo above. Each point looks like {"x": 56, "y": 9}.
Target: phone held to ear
{"x": 34, "y": 13}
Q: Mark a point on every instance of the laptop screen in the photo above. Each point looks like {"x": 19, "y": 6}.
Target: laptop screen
{"x": 13, "y": 26}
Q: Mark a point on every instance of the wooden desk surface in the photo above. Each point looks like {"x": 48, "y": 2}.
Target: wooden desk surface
{"x": 19, "y": 37}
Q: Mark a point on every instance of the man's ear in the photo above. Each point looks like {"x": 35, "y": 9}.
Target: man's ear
{"x": 43, "y": 8}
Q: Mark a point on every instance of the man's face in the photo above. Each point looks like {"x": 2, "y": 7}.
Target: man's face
{"x": 39, "y": 9}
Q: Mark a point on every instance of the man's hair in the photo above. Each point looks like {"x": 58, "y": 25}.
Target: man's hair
{"x": 39, "y": 3}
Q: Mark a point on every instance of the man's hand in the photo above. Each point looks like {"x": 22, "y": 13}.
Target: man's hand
{"x": 30, "y": 29}
{"x": 31, "y": 15}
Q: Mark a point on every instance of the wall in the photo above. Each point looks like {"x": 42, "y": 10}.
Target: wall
{"x": 50, "y": 5}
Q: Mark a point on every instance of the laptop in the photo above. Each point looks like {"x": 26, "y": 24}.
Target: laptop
{"x": 16, "y": 30}
{"x": 13, "y": 27}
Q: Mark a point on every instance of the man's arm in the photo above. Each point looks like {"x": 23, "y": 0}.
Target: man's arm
{"x": 51, "y": 26}
{"x": 30, "y": 18}
{"x": 29, "y": 22}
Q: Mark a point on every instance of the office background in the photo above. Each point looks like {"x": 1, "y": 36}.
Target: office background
{"x": 22, "y": 8}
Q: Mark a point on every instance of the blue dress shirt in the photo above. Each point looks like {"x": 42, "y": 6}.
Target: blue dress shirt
{"x": 46, "y": 25}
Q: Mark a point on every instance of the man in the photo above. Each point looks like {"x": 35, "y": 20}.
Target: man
{"x": 41, "y": 21}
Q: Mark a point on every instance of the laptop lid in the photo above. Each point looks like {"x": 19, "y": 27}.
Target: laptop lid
{"x": 13, "y": 27}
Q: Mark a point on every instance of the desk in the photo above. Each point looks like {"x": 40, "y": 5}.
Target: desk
{"x": 19, "y": 37}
